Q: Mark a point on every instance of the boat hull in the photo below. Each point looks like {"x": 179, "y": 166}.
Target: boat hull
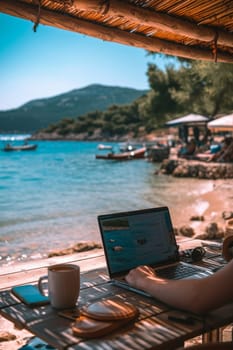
{"x": 137, "y": 154}
{"x": 20, "y": 148}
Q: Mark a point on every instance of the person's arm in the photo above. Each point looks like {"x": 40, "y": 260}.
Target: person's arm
{"x": 195, "y": 295}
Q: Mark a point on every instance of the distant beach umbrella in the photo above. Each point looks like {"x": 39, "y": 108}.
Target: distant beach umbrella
{"x": 222, "y": 124}
{"x": 189, "y": 120}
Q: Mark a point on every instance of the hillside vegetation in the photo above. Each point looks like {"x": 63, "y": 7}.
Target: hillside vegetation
{"x": 39, "y": 114}
{"x": 102, "y": 112}
{"x": 187, "y": 87}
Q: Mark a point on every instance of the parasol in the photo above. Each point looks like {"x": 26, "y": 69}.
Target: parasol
{"x": 189, "y": 120}
{"x": 222, "y": 124}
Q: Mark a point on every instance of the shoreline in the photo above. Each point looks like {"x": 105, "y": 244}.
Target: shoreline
{"x": 208, "y": 208}
{"x": 217, "y": 200}
{"x": 204, "y": 209}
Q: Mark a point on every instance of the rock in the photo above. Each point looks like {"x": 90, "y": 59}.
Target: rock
{"x": 213, "y": 231}
{"x": 194, "y": 168}
{"x": 61, "y": 252}
{"x": 6, "y": 336}
{"x": 186, "y": 231}
{"x": 78, "y": 247}
{"x": 201, "y": 236}
{"x": 181, "y": 171}
{"x": 82, "y": 247}
{"x": 220, "y": 234}
{"x": 168, "y": 166}
{"x": 227, "y": 215}
{"x": 197, "y": 218}
{"x": 229, "y": 227}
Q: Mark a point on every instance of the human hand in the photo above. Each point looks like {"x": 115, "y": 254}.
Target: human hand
{"x": 137, "y": 277}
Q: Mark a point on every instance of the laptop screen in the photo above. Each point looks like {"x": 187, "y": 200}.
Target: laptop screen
{"x": 141, "y": 237}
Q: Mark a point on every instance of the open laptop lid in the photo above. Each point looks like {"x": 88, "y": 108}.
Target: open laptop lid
{"x": 140, "y": 237}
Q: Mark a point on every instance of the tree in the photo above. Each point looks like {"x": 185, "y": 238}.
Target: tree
{"x": 160, "y": 102}
{"x": 184, "y": 86}
{"x": 189, "y": 86}
{"x": 218, "y": 88}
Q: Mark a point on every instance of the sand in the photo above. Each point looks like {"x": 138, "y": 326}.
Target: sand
{"x": 211, "y": 205}
{"x": 21, "y": 336}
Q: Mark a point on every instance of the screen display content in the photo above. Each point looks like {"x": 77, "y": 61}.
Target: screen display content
{"x": 135, "y": 239}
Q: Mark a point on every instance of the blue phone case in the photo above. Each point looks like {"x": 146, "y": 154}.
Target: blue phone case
{"x": 30, "y": 295}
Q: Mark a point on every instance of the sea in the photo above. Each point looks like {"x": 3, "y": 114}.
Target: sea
{"x": 50, "y": 197}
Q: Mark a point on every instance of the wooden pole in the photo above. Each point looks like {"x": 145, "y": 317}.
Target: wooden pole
{"x": 158, "y": 21}
{"x": 48, "y": 17}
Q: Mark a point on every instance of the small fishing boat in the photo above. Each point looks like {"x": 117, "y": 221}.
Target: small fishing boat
{"x": 126, "y": 147}
{"x": 25, "y": 147}
{"x": 137, "y": 154}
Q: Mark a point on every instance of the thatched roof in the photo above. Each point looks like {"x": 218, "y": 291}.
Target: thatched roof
{"x": 198, "y": 29}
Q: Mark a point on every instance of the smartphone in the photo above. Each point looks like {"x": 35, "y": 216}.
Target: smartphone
{"x": 30, "y": 295}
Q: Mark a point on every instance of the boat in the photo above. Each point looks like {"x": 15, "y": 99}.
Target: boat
{"x": 126, "y": 147}
{"x": 102, "y": 146}
{"x": 137, "y": 154}
{"x": 26, "y": 147}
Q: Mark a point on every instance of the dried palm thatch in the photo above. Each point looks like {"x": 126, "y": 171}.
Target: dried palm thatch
{"x": 197, "y": 29}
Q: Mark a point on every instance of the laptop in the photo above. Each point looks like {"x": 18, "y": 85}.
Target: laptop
{"x": 143, "y": 237}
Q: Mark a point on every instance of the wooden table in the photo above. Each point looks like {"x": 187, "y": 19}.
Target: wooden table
{"x": 153, "y": 329}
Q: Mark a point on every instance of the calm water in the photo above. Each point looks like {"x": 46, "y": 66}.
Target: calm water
{"x": 49, "y": 198}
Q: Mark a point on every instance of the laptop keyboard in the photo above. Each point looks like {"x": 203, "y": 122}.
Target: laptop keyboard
{"x": 177, "y": 272}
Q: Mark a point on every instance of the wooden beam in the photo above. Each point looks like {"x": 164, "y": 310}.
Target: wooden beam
{"x": 47, "y": 17}
{"x": 158, "y": 21}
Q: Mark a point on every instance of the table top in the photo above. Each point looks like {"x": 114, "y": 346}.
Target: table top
{"x": 152, "y": 329}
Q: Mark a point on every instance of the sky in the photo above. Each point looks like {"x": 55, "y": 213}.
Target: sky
{"x": 54, "y": 61}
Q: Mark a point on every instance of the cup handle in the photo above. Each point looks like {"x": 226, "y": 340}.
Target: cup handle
{"x": 40, "y": 284}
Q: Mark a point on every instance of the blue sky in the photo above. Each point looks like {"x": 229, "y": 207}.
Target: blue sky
{"x": 52, "y": 61}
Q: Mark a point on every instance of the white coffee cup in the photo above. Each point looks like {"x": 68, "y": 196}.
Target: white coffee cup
{"x": 63, "y": 285}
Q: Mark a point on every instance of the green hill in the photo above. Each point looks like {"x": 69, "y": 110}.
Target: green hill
{"x": 38, "y": 114}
